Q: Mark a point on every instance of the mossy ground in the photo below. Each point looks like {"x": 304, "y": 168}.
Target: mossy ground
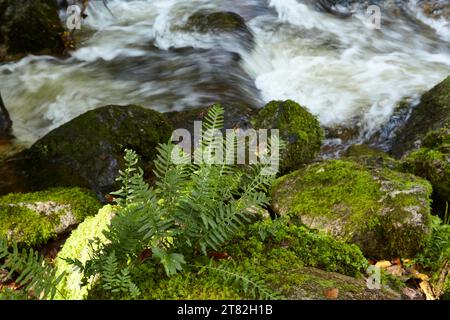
{"x": 20, "y": 222}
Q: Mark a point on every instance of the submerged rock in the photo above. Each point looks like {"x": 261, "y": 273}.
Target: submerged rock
{"x": 219, "y": 22}
{"x": 298, "y": 128}
{"x": 433, "y": 113}
{"x": 29, "y": 27}
{"x": 5, "y": 120}
{"x": 32, "y": 219}
{"x": 88, "y": 151}
{"x": 386, "y": 213}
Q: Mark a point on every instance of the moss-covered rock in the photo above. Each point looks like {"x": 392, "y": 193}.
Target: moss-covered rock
{"x": 433, "y": 113}
{"x": 372, "y": 157}
{"x": 32, "y": 219}
{"x": 432, "y": 162}
{"x": 29, "y": 27}
{"x": 387, "y": 213}
{"x": 78, "y": 247}
{"x": 298, "y": 128}
{"x": 88, "y": 151}
{"x": 218, "y": 22}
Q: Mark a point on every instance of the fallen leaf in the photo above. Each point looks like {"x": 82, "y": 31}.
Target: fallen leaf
{"x": 331, "y": 294}
{"x": 426, "y": 288}
{"x": 383, "y": 264}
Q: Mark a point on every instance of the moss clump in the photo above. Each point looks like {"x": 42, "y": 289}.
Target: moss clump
{"x": 32, "y": 219}
{"x": 383, "y": 211}
{"x": 299, "y": 128}
{"x": 432, "y": 162}
{"x": 78, "y": 246}
{"x": 203, "y": 22}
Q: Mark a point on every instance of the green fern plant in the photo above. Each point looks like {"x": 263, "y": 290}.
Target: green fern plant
{"x": 193, "y": 208}
{"x": 29, "y": 270}
{"x": 251, "y": 285}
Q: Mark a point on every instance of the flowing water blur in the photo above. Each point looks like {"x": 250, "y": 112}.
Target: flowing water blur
{"x": 345, "y": 72}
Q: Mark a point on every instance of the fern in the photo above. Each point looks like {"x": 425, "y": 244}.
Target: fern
{"x": 34, "y": 273}
{"x": 250, "y": 284}
{"x": 192, "y": 209}
{"x": 116, "y": 280}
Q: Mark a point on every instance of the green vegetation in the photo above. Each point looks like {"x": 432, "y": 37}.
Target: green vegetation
{"x": 432, "y": 162}
{"x": 33, "y": 219}
{"x": 299, "y": 128}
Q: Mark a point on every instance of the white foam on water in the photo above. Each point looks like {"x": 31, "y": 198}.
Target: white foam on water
{"x": 341, "y": 69}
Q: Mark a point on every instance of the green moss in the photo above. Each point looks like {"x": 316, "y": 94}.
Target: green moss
{"x": 384, "y": 211}
{"x": 371, "y": 157}
{"x": 299, "y": 128}
{"x": 78, "y": 246}
{"x": 32, "y": 219}
{"x": 432, "y": 162}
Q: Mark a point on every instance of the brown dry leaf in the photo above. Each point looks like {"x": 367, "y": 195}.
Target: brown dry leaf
{"x": 426, "y": 288}
{"x": 397, "y": 262}
{"x": 331, "y": 294}
{"x": 383, "y": 264}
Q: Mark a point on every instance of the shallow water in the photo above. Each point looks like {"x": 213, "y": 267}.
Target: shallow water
{"x": 344, "y": 71}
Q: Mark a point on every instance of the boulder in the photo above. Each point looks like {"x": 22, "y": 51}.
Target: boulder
{"x": 432, "y": 113}
{"x": 33, "y": 219}
{"x": 219, "y": 22}
{"x": 30, "y": 27}
{"x": 298, "y": 128}
{"x": 432, "y": 162}
{"x": 88, "y": 151}
{"x": 385, "y": 212}
{"x": 5, "y": 120}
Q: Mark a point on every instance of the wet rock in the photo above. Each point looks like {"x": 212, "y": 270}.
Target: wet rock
{"x": 5, "y": 121}
{"x": 88, "y": 151}
{"x": 432, "y": 113}
{"x": 219, "y": 22}
{"x": 29, "y": 27}
{"x": 385, "y": 212}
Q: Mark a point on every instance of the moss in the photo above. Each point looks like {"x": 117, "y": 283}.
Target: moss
{"x": 276, "y": 253}
{"x": 432, "y": 162}
{"x": 299, "y": 128}
{"x": 78, "y": 246}
{"x": 371, "y": 157}
{"x": 32, "y": 219}
{"x": 216, "y": 21}
{"x": 383, "y": 211}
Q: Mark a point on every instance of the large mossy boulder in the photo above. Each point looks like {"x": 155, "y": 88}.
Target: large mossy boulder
{"x": 219, "y": 22}
{"x": 88, "y": 151}
{"x": 432, "y": 162}
{"x": 79, "y": 246}
{"x": 385, "y": 212}
{"x": 33, "y": 219}
{"x": 297, "y": 127}
{"x": 5, "y": 121}
{"x": 432, "y": 113}
{"x": 29, "y": 27}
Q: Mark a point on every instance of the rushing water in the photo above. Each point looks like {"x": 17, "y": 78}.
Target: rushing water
{"x": 345, "y": 72}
